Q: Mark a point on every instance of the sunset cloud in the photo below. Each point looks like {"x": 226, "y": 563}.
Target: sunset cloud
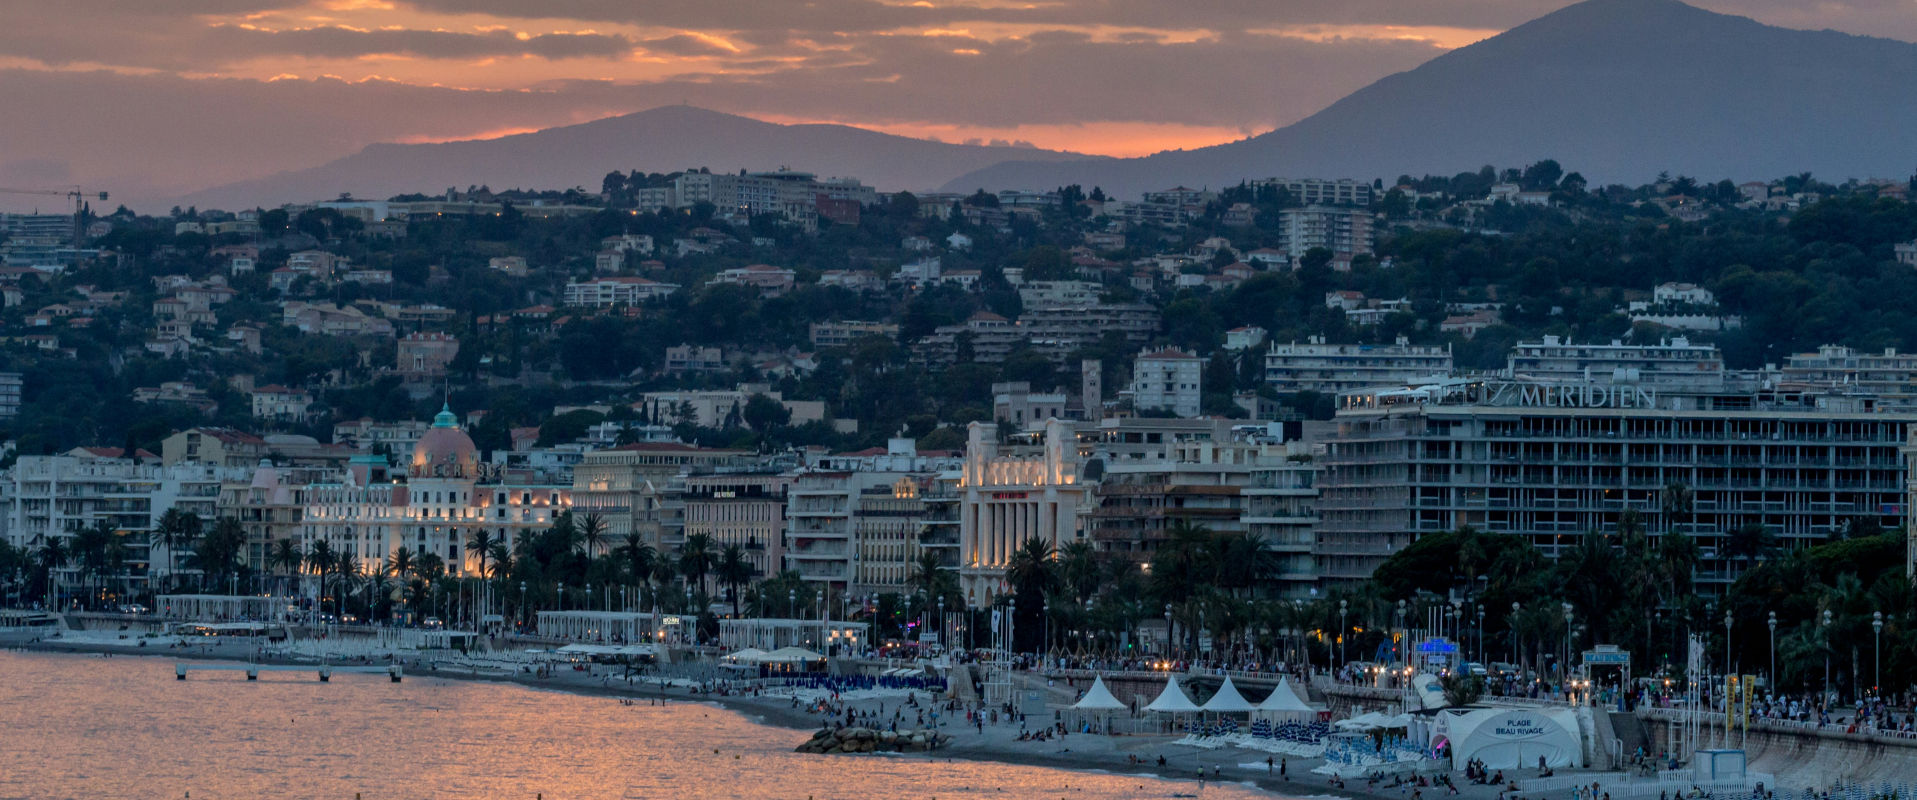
{"x": 186, "y": 93}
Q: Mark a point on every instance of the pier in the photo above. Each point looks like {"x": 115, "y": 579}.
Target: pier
{"x": 253, "y": 670}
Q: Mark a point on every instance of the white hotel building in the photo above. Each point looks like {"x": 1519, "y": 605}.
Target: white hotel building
{"x": 1551, "y": 463}
{"x": 1007, "y": 500}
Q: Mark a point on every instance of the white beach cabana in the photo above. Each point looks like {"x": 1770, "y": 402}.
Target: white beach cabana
{"x": 1172, "y": 700}
{"x": 747, "y": 658}
{"x": 1228, "y": 700}
{"x": 1098, "y": 704}
{"x": 1284, "y": 705}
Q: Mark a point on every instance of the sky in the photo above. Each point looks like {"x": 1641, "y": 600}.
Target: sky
{"x": 149, "y": 98}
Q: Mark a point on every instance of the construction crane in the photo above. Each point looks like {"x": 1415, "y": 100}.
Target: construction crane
{"x": 79, "y": 205}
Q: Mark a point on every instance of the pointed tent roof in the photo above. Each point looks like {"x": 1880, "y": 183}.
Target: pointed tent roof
{"x": 1099, "y": 698}
{"x": 1228, "y": 700}
{"x": 1284, "y": 698}
{"x": 1172, "y": 700}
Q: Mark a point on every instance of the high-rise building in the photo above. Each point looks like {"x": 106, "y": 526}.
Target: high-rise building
{"x": 1667, "y": 365}
{"x": 1343, "y": 231}
{"x": 1168, "y": 380}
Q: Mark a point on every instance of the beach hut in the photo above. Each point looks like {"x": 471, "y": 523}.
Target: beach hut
{"x": 793, "y": 659}
{"x": 1228, "y": 700}
{"x": 1284, "y": 705}
{"x": 1098, "y": 704}
{"x": 747, "y": 659}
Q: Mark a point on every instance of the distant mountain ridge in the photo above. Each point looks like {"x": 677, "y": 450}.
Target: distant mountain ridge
{"x": 1619, "y": 90}
{"x": 663, "y": 139}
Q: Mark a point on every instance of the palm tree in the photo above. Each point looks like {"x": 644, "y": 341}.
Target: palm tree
{"x": 400, "y": 563}
{"x": 320, "y": 559}
{"x": 176, "y": 529}
{"x": 90, "y": 549}
{"x": 734, "y": 569}
{"x": 285, "y": 556}
{"x": 480, "y": 544}
{"x": 53, "y": 555}
{"x": 1749, "y": 541}
{"x": 1079, "y": 569}
{"x": 1031, "y": 568}
{"x": 662, "y": 572}
{"x": 639, "y": 558}
{"x": 695, "y": 559}
{"x": 592, "y": 532}
{"x": 221, "y": 550}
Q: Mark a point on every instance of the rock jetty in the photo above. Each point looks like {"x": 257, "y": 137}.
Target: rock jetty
{"x": 868, "y": 740}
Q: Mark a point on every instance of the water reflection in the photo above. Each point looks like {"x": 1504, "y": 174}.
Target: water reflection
{"x": 87, "y": 727}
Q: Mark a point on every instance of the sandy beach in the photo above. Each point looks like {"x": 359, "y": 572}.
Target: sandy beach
{"x": 997, "y": 742}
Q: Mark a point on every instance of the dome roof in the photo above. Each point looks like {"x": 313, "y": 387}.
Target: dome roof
{"x": 445, "y": 451}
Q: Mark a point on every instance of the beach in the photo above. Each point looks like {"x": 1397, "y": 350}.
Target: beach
{"x": 997, "y": 742}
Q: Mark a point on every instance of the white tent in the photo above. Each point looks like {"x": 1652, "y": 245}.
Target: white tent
{"x": 1509, "y": 738}
{"x": 788, "y": 654}
{"x": 748, "y": 658}
{"x": 1284, "y": 704}
{"x": 1098, "y": 698}
{"x": 1368, "y": 721}
{"x": 1228, "y": 700}
{"x": 1172, "y": 700}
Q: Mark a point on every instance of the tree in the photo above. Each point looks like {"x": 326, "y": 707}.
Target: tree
{"x": 695, "y": 559}
{"x": 321, "y": 559}
{"x": 220, "y": 553}
{"x": 175, "y": 530}
{"x": 734, "y": 569}
{"x": 592, "y": 532}
{"x": 284, "y": 557}
{"x": 639, "y": 558}
{"x": 1460, "y": 689}
{"x": 1750, "y": 541}
{"x": 479, "y": 544}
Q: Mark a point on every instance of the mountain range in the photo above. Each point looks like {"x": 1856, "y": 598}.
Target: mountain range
{"x": 663, "y": 139}
{"x": 1619, "y": 90}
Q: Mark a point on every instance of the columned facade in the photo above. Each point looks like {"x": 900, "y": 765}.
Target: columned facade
{"x": 1007, "y": 500}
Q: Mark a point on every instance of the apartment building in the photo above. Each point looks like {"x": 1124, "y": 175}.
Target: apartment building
{"x": 1343, "y": 231}
{"x": 844, "y": 333}
{"x": 1890, "y": 376}
{"x": 640, "y": 487}
{"x": 55, "y": 496}
{"x": 1320, "y": 191}
{"x": 1167, "y": 380}
{"x": 1316, "y": 366}
{"x": 1669, "y": 364}
{"x": 616, "y": 291}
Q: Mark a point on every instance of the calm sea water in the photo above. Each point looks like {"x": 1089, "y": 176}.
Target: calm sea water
{"x": 88, "y": 727}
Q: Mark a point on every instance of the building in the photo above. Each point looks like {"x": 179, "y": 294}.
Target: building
{"x": 1669, "y": 364}
{"x": 11, "y": 384}
{"x": 56, "y": 496}
{"x": 681, "y": 359}
{"x": 769, "y": 280}
{"x": 1552, "y": 462}
{"x": 720, "y": 408}
{"x": 841, "y": 334}
{"x": 616, "y": 291}
{"x": 269, "y": 505}
{"x": 447, "y": 497}
{"x": 1055, "y": 294}
{"x": 1140, "y": 500}
{"x": 1890, "y": 376}
{"x": 1168, "y": 380}
{"x": 425, "y": 356}
{"x": 1007, "y": 500}
{"x": 638, "y": 488}
{"x": 1332, "y": 368}
{"x": 1319, "y": 191}
{"x": 1244, "y": 338}
{"x": 742, "y": 507}
{"x": 281, "y": 404}
{"x": 1014, "y": 402}
{"x": 1906, "y": 253}
{"x": 1280, "y": 509}
{"x": 217, "y": 446}
{"x": 1343, "y": 231}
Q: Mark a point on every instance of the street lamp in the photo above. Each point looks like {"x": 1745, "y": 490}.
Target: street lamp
{"x": 1343, "y": 607}
{"x": 1168, "y": 631}
{"x": 1826, "y": 631}
{"x": 791, "y": 602}
{"x": 942, "y": 643}
{"x": 1727, "y": 644}
{"x": 1480, "y": 633}
{"x": 1772, "y": 678}
{"x": 1877, "y": 651}
{"x": 523, "y": 619}
{"x": 1514, "y": 632}
{"x": 562, "y": 597}
{"x": 1567, "y": 644}
{"x": 1048, "y": 625}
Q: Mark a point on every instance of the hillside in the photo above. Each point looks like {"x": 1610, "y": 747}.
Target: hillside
{"x": 1617, "y": 89}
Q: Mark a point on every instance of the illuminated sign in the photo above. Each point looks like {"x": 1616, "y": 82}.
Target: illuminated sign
{"x": 1577, "y": 395}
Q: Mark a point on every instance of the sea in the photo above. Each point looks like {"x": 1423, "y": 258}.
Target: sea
{"x": 91, "y": 727}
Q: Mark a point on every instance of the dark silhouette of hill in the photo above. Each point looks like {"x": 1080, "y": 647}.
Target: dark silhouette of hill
{"x": 664, "y": 139}
{"x": 1619, "y": 90}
